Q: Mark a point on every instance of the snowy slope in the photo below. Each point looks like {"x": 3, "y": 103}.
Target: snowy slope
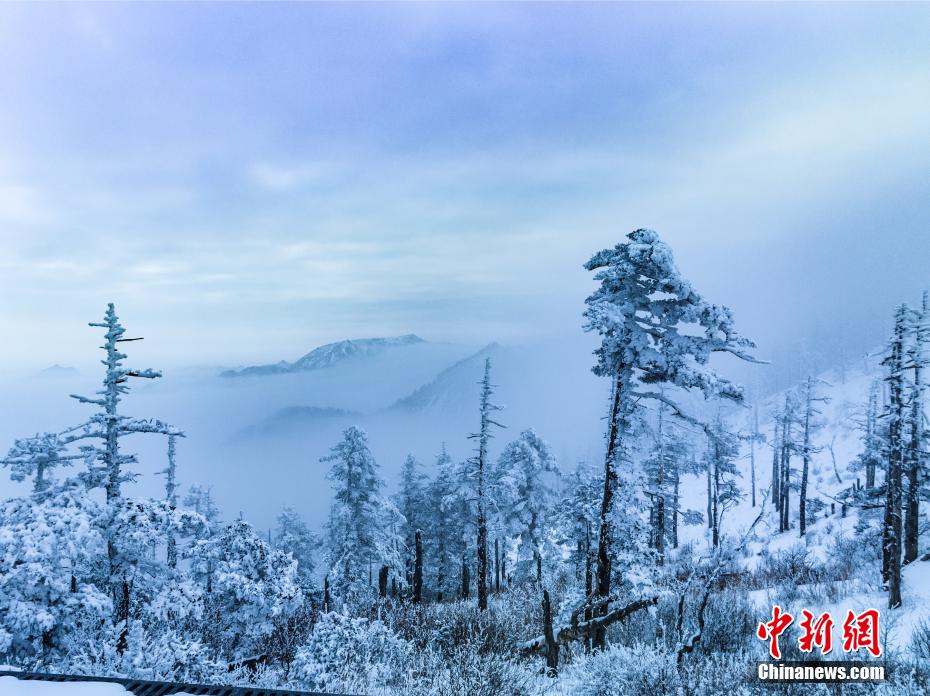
{"x": 839, "y": 443}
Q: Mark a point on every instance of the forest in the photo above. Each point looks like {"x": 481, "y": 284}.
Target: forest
{"x": 649, "y": 570}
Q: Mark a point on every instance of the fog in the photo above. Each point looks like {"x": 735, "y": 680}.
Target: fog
{"x": 246, "y": 184}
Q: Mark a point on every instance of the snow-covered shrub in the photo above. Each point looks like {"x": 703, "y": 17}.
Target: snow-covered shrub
{"x": 446, "y": 627}
{"x": 624, "y": 671}
{"x": 920, "y": 641}
{"x": 730, "y": 623}
{"x": 152, "y": 651}
{"x": 247, "y": 584}
{"x": 289, "y": 632}
{"x": 343, "y": 652}
{"x": 465, "y": 672}
{"x": 792, "y": 565}
{"x": 856, "y": 556}
{"x": 721, "y": 673}
{"x": 51, "y": 548}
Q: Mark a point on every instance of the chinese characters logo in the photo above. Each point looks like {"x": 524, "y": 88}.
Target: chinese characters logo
{"x": 860, "y": 631}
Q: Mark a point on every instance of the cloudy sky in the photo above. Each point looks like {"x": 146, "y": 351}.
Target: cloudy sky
{"x": 248, "y": 181}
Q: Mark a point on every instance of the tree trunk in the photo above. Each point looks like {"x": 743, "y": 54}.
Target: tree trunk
{"x": 660, "y": 529}
{"x": 802, "y": 498}
{"x": 466, "y": 580}
{"x": 660, "y": 500}
{"x": 604, "y": 541}
{"x": 752, "y": 451}
{"x": 497, "y": 566}
{"x": 675, "y": 509}
{"x": 912, "y": 519}
{"x": 418, "y": 568}
{"x": 776, "y": 470}
{"x": 716, "y": 497}
{"x": 892, "y": 532}
{"x": 482, "y": 561}
{"x": 710, "y": 507}
{"x": 440, "y": 574}
{"x": 785, "y": 469}
{"x": 383, "y": 582}
{"x": 552, "y": 647}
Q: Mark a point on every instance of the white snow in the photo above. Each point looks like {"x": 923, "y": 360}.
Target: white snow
{"x": 11, "y": 686}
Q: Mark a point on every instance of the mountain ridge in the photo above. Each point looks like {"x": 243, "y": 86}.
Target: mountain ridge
{"x": 327, "y": 355}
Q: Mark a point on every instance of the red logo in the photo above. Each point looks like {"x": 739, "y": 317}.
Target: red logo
{"x": 859, "y": 631}
{"x": 774, "y": 628}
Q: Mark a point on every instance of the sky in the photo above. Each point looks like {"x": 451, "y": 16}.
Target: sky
{"x": 248, "y": 181}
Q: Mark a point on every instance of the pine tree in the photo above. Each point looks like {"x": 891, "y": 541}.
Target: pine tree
{"x": 523, "y": 478}
{"x": 754, "y": 437}
{"x": 171, "y": 497}
{"x": 873, "y": 440}
{"x": 891, "y": 531}
{"x": 448, "y": 519}
{"x": 576, "y": 518}
{"x": 293, "y": 536}
{"x": 412, "y": 502}
{"x": 359, "y": 531}
{"x": 786, "y": 448}
{"x": 811, "y": 424}
{"x": 200, "y": 499}
{"x": 917, "y": 428}
{"x": 775, "y": 486}
{"x": 38, "y": 456}
{"x": 480, "y": 475}
{"x": 663, "y": 466}
{"x": 722, "y": 450}
{"x": 640, "y": 310}
{"x": 106, "y": 464}
{"x": 251, "y": 583}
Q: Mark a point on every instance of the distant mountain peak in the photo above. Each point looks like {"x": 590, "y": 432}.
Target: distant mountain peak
{"x": 57, "y": 370}
{"x": 446, "y": 391}
{"x": 329, "y": 355}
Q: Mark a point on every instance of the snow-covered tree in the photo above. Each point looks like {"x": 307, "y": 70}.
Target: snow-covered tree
{"x": 663, "y": 466}
{"x": 52, "y": 570}
{"x": 523, "y": 481}
{"x": 447, "y": 522}
{"x": 897, "y": 417}
{"x": 655, "y": 330}
{"x": 753, "y": 437}
{"x": 250, "y": 584}
{"x": 871, "y": 458}
{"x": 785, "y": 447}
{"x": 411, "y": 500}
{"x": 479, "y": 473}
{"x": 358, "y": 534}
{"x": 38, "y": 457}
{"x": 810, "y": 424}
{"x": 722, "y": 451}
{"x": 109, "y": 427}
{"x": 575, "y": 519}
{"x": 171, "y": 493}
{"x": 916, "y": 456}
{"x": 293, "y": 536}
{"x": 199, "y": 498}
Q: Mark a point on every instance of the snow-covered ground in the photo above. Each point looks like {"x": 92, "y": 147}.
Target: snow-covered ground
{"x": 11, "y": 686}
{"x": 838, "y": 442}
